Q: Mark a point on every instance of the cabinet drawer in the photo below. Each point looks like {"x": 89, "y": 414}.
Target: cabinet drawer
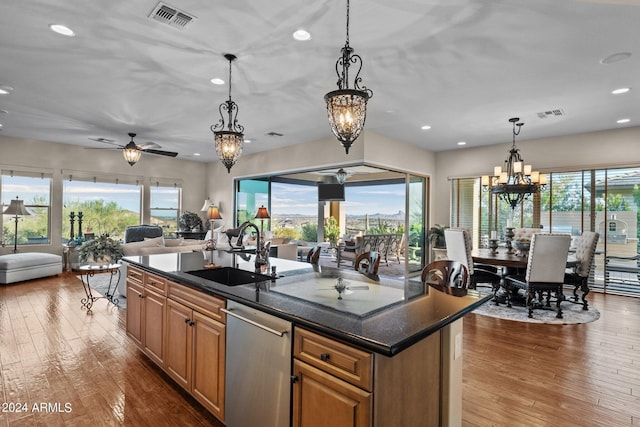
{"x": 197, "y": 300}
{"x": 156, "y": 283}
{"x": 134, "y": 275}
{"x": 339, "y": 359}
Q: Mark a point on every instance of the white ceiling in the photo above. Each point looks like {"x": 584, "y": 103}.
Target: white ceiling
{"x": 462, "y": 66}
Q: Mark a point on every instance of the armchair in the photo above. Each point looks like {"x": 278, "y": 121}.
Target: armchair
{"x": 349, "y": 251}
{"x": 545, "y": 271}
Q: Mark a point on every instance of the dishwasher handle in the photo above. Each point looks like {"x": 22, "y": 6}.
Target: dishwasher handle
{"x": 254, "y": 323}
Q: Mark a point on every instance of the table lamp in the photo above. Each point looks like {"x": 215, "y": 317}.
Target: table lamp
{"x": 213, "y": 213}
{"x": 262, "y": 214}
{"x": 17, "y": 209}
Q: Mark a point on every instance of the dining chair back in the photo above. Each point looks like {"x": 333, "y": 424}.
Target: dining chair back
{"x": 313, "y": 256}
{"x": 579, "y": 277}
{"x": 545, "y": 272}
{"x": 367, "y": 263}
{"x": 459, "y": 246}
{"x": 447, "y": 276}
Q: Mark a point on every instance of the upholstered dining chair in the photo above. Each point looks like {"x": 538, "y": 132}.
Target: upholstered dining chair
{"x": 579, "y": 275}
{"x": 447, "y": 276}
{"x": 367, "y": 263}
{"x": 459, "y": 248}
{"x": 545, "y": 271}
{"x": 313, "y": 256}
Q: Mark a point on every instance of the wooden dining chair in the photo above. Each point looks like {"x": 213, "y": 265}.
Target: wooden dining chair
{"x": 447, "y": 276}
{"x": 545, "y": 272}
{"x": 459, "y": 248}
{"x": 579, "y": 276}
{"x": 367, "y": 263}
{"x": 313, "y": 256}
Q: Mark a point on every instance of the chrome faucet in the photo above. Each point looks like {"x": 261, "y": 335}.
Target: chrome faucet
{"x": 262, "y": 250}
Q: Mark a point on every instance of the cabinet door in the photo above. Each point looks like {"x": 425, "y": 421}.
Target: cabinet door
{"x": 209, "y": 363}
{"x": 154, "y": 308}
{"x": 177, "y": 358}
{"x": 320, "y": 399}
{"x": 134, "y": 311}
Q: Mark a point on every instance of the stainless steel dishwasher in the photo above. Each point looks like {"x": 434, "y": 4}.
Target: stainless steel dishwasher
{"x": 258, "y": 368}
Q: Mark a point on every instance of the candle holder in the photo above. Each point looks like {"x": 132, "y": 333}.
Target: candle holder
{"x": 509, "y": 238}
{"x": 493, "y": 245}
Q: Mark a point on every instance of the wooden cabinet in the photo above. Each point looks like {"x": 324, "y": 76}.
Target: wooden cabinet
{"x": 195, "y": 343}
{"x": 340, "y": 385}
{"x": 146, "y": 302}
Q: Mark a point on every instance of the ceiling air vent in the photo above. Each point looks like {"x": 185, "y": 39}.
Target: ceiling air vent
{"x": 557, "y": 112}
{"x": 171, "y": 16}
{"x": 273, "y": 134}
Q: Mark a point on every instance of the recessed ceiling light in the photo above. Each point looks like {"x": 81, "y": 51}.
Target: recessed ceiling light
{"x": 4, "y": 90}
{"x": 196, "y": 154}
{"x": 247, "y": 141}
{"x": 217, "y": 81}
{"x": 62, "y": 29}
{"x": 615, "y": 57}
{"x": 621, "y": 90}
{"x": 425, "y": 127}
{"x": 301, "y": 35}
{"x": 462, "y": 143}
{"x": 621, "y": 121}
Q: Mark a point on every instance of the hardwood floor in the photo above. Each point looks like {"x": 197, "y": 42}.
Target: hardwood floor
{"x": 85, "y": 370}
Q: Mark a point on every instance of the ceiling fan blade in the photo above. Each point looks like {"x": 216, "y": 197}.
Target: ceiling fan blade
{"x": 149, "y": 144}
{"x": 160, "y": 152}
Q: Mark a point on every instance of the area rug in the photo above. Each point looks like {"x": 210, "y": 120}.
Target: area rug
{"x": 572, "y": 313}
{"x": 100, "y": 282}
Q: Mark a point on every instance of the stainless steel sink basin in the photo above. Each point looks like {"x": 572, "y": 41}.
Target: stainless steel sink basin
{"x": 230, "y": 276}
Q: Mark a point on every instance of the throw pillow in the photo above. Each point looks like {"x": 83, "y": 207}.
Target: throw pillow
{"x": 154, "y": 241}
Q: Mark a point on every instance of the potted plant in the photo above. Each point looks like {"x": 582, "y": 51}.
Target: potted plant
{"x": 435, "y": 235}
{"x": 331, "y": 230}
{"x": 189, "y": 222}
{"x": 102, "y": 250}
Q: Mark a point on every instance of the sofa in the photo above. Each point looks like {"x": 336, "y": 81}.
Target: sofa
{"x": 142, "y": 240}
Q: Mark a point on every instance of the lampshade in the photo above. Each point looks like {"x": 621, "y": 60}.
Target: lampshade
{"x": 206, "y": 205}
{"x": 131, "y": 154}
{"x": 262, "y": 213}
{"x": 16, "y": 208}
{"x": 213, "y": 212}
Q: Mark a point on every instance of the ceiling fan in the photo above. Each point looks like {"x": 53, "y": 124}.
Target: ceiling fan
{"x": 133, "y": 151}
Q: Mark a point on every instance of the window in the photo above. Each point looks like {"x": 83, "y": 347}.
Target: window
{"x": 35, "y": 192}
{"x": 294, "y": 211}
{"x": 165, "y": 207}
{"x": 573, "y": 201}
{"x": 250, "y": 195}
{"x": 94, "y": 207}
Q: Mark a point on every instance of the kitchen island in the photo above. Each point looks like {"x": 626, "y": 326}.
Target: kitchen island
{"x": 382, "y": 352}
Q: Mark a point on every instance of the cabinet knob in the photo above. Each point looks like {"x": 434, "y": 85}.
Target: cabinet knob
{"x": 325, "y": 357}
{"x": 187, "y": 320}
{"x": 294, "y": 379}
{"x": 191, "y": 323}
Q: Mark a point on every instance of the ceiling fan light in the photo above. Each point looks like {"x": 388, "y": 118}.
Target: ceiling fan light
{"x": 131, "y": 153}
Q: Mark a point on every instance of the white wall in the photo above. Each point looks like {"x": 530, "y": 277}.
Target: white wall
{"x": 26, "y": 154}
{"x": 618, "y": 147}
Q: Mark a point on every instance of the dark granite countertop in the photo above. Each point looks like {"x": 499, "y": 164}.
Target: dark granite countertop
{"x": 384, "y": 315}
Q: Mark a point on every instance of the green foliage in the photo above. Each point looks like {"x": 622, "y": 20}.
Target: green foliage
{"x": 615, "y": 202}
{"x": 287, "y": 232}
{"x": 331, "y": 230}
{"x": 189, "y": 220}
{"x": 99, "y": 248}
{"x": 99, "y": 217}
{"x": 309, "y": 232}
{"x": 383, "y": 227}
{"x": 435, "y": 235}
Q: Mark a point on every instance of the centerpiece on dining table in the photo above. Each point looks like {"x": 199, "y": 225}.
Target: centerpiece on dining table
{"x": 522, "y": 247}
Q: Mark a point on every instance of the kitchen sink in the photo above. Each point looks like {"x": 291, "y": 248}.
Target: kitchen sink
{"x": 230, "y": 276}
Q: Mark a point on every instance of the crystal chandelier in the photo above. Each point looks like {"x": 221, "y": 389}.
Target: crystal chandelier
{"x": 229, "y": 142}
{"x": 347, "y": 108}
{"x": 516, "y": 182}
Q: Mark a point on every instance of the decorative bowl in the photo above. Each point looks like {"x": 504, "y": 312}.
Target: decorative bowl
{"x": 522, "y": 246}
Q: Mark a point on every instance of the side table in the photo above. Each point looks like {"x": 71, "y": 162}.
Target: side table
{"x": 88, "y": 271}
